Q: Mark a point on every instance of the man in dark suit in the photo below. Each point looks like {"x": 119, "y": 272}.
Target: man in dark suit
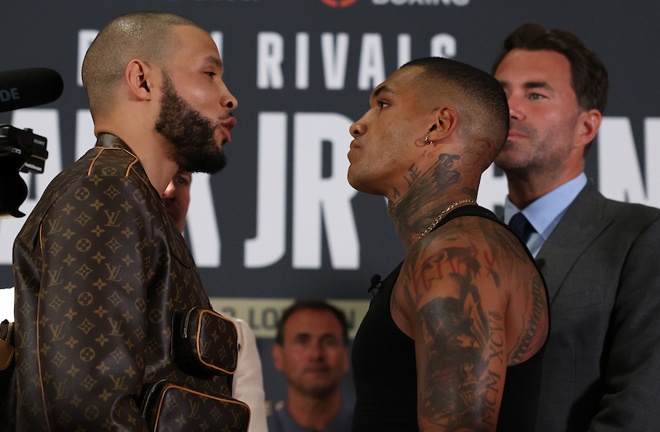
{"x": 600, "y": 258}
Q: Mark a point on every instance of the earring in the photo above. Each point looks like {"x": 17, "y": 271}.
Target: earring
{"x": 427, "y": 141}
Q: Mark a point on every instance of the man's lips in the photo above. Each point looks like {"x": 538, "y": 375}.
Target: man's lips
{"x": 317, "y": 369}
{"x": 354, "y": 145}
{"x": 516, "y": 134}
{"x": 227, "y": 125}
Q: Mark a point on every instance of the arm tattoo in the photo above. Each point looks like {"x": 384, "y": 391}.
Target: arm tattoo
{"x": 511, "y": 256}
{"x": 461, "y": 339}
{"x": 532, "y": 338}
{"x": 460, "y": 390}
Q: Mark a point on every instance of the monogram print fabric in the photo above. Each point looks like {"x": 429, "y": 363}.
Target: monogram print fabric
{"x": 99, "y": 269}
{"x": 205, "y": 343}
{"x": 171, "y": 408}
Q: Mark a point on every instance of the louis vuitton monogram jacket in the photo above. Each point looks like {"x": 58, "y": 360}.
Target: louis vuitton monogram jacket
{"x": 99, "y": 270}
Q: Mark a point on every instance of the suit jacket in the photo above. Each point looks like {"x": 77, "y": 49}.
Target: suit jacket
{"x": 601, "y": 368}
{"x": 100, "y": 269}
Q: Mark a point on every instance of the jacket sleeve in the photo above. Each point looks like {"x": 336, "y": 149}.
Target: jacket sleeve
{"x": 631, "y": 364}
{"x": 99, "y": 256}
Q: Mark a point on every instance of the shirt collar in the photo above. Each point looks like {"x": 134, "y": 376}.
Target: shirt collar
{"x": 545, "y": 212}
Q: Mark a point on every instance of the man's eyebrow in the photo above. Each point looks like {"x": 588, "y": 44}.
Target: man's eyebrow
{"x": 215, "y": 61}
{"x": 381, "y": 89}
{"x": 536, "y": 84}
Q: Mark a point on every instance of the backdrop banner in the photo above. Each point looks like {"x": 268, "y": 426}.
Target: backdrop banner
{"x": 280, "y": 221}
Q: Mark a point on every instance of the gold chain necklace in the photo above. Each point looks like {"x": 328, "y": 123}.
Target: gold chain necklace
{"x": 442, "y": 214}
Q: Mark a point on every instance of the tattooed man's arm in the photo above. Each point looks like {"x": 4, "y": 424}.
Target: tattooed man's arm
{"x": 456, "y": 293}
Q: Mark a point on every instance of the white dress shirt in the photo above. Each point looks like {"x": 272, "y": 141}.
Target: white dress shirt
{"x": 248, "y": 382}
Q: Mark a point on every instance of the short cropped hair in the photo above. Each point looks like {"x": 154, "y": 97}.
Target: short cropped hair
{"x": 310, "y": 304}
{"x": 480, "y": 93}
{"x": 588, "y": 74}
{"x": 142, "y": 35}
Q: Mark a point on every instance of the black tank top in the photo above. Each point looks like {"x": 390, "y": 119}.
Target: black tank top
{"x": 385, "y": 375}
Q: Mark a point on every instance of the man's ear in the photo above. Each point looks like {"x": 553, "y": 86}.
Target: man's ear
{"x": 139, "y": 79}
{"x": 446, "y": 122}
{"x": 587, "y": 127}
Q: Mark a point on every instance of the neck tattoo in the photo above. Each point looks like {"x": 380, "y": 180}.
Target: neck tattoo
{"x": 442, "y": 214}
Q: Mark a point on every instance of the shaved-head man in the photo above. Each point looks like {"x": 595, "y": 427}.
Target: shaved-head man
{"x": 101, "y": 270}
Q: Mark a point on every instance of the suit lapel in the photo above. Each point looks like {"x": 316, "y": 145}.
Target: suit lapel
{"x": 581, "y": 224}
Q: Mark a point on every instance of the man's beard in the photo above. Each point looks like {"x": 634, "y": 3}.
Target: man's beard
{"x": 192, "y": 136}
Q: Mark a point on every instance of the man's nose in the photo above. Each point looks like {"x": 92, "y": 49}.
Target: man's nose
{"x": 358, "y": 128}
{"x": 515, "y": 108}
{"x": 170, "y": 192}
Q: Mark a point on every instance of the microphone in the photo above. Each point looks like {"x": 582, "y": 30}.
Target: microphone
{"x": 541, "y": 263}
{"x": 24, "y": 88}
{"x": 375, "y": 284}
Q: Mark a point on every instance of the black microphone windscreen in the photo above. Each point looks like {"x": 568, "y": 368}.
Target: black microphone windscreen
{"x": 24, "y": 88}
{"x": 375, "y": 283}
{"x": 541, "y": 263}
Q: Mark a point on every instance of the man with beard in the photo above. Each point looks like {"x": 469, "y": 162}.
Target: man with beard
{"x": 311, "y": 351}
{"x": 100, "y": 269}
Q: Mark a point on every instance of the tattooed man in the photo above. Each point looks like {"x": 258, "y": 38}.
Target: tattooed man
{"x": 458, "y": 324}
